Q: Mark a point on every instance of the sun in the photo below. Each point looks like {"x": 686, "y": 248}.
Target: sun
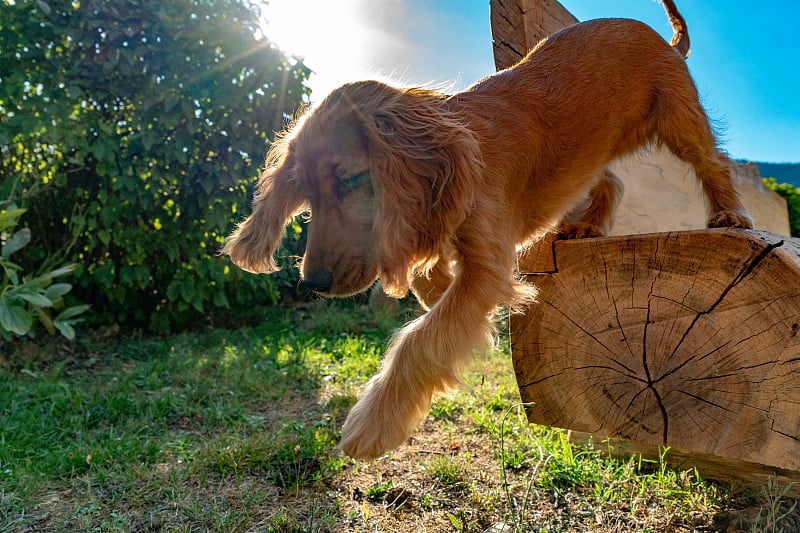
{"x": 331, "y": 37}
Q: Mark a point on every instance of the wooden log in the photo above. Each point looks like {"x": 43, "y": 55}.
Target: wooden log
{"x": 685, "y": 339}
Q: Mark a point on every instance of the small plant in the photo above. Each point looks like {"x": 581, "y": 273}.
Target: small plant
{"x": 778, "y": 508}
{"x": 449, "y": 471}
{"x": 517, "y": 509}
{"x": 21, "y": 300}
{"x": 378, "y": 491}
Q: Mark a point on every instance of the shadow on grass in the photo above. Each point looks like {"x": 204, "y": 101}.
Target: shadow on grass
{"x": 116, "y": 428}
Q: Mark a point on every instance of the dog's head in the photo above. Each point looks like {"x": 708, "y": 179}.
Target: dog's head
{"x": 387, "y": 175}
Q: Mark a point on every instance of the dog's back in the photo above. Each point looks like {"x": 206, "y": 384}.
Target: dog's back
{"x": 586, "y": 95}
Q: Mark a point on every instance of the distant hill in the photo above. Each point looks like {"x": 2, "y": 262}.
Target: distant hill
{"x": 782, "y": 172}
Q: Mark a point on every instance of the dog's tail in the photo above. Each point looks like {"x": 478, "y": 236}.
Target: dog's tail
{"x": 680, "y": 39}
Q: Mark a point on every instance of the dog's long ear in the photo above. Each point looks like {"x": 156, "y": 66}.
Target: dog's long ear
{"x": 425, "y": 163}
{"x": 277, "y": 200}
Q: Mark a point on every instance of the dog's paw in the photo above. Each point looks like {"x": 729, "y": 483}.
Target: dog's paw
{"x": 579, "y": 230}
{"x": 730, "y": 219}
{"x": 380, "y": 421}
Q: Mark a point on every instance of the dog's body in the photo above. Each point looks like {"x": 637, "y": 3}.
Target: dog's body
{"x": 437, "y": 193}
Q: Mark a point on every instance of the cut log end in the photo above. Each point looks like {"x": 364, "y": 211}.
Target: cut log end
{"x": 686, "y": 339}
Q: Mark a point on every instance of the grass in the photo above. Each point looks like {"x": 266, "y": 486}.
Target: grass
{"x": 235, "y": 430}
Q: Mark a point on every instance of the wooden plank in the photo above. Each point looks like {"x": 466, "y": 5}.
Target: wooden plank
{"x": 518, "y": 25}
{"x": 539, "y": 257}
{"x": 508, "y": 37}
{"x": 685, "y": 339}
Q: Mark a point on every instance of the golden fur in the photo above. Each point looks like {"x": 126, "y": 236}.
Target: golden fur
{"x": 437, "y": 192}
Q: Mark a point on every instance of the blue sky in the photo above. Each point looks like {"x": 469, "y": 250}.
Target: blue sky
{"x": 745, "y": 55}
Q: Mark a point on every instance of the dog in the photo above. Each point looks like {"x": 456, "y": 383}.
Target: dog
{"x": 438, "y": 193}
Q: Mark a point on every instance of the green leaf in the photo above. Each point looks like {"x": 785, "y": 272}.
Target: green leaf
{"x": 15, "y": 319}
{"x": 71, "y": 312}
{"x": 65, "y": 328}
{"x": 66, "y": 269}
{"x": 8, "y": 218}
{"x": 17, "y": 242}
{"x": 12, "y": 274}
{"x": 173, "y": 291}
{"x": 44, "y": 279}
{"x": 57, "y": 290}
{"x": 456, "y": 522}
{"x": 187, "y": 292}
{"x": 220, "y": 300}
{"x": 36, "y": 298}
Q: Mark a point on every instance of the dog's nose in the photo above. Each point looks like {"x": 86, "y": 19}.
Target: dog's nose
{"x": 317, "y": 281}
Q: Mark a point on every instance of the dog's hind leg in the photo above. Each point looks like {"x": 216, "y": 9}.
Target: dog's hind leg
{"x": 683, "y": 126}
{"x": 594, "y": 216}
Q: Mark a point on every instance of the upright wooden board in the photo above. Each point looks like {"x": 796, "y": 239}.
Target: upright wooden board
{"x": 518, "y": 25}
{"x": 686, "y": 339}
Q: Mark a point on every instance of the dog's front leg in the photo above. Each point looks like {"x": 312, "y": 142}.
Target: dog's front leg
{"x": 427, "y": 354}
{"x": 422, "y": 357}
{"x": 428, "y": 288}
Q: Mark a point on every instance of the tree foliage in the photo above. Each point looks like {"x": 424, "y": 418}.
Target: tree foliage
{"x": 134, "y": 129}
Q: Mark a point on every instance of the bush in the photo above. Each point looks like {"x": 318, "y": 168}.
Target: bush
{"x": 144, "y": 122}
{"x": 792, "y": 196}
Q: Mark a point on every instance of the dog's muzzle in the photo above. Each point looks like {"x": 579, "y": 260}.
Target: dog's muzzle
{"x": 318, "y": 281}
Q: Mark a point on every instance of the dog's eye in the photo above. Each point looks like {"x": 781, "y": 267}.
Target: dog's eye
{"x": 351, "y": 183}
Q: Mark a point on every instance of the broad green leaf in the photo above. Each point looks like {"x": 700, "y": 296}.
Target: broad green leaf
{"x": 65, "y": 328}
{"x": 57, "y": 290}
{"x": 17, "y": 242}
{"x": 71, "y": 312}
{"x": 173, "y": 291}
{"x": 12, "y": 274}
{"x": 36, "y": 298}
{"x": 15, "y": 318}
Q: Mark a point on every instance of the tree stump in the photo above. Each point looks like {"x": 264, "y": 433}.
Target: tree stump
{"x": 686, "y": 339}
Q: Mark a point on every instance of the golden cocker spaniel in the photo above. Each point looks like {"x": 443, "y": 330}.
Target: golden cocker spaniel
{"x": 437, "y": 192}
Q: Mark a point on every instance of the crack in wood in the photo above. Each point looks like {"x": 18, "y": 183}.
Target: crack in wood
{"x": 779, "y": 432}
{"x": 667, "y": 374}
{"x": 538, "y": 381}
{"x": 650, "y": 382}
{"x": 589, "y": 334}
{"x": 704, "y": 400}
{"x": 506, "y": 44}
{"x": 503, "y": 14}
{"x": 746, "y": 270}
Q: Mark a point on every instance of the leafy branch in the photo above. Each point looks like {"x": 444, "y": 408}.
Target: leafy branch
{"x": 21, "y": 300}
